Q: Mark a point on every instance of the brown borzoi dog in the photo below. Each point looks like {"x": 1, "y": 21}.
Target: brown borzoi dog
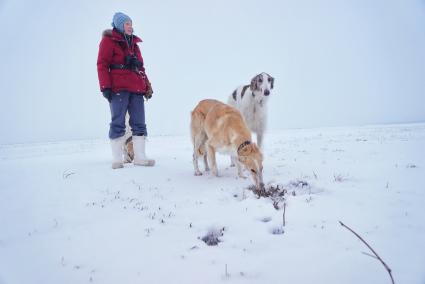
{"x": 217, "y": 127}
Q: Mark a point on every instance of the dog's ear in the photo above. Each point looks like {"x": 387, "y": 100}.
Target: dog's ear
{"x": 254, "y": 85}
{"x": 245, "y": 151}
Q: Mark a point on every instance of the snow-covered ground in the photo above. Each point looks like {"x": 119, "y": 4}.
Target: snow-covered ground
{"x": 66, "y": 217}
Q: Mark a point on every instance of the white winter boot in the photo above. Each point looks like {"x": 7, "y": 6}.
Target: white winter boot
{"x": 117, "y": 157}
{"x": 140, "y": 158}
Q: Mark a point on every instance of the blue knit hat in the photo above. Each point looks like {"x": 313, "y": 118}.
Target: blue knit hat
{"x": 119, "y": 20}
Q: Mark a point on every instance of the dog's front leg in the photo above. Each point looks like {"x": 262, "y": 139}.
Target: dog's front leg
{"x": 239, "y": 167}
{"x": 211, "y": 158}
{"x": 260, "y": 139}
{"x": 233, "y": 161}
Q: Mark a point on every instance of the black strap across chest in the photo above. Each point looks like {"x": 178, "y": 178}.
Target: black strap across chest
{"x": 118, "y": 66}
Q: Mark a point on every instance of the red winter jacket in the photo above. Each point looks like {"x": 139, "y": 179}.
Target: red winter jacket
{"x": 112, "y": 50}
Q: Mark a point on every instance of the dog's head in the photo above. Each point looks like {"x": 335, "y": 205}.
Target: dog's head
{"x": 251, "y": 158}
{"x": 262, "y": 84}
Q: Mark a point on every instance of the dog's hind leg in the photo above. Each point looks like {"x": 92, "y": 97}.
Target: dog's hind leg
{"x": 195, "y": 164}
{"x": 211, "y": 158}
{"x": 197, "y": 136}
{"x": 198, "y": 140}
{"x": 207, "y": 168}
{"x": 198, "y": 151}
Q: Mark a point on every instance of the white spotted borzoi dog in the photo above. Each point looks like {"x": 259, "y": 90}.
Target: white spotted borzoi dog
{"x": 251, "y": 101}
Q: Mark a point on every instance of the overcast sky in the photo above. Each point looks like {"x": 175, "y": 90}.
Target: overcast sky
{"x": 335, "y": 62}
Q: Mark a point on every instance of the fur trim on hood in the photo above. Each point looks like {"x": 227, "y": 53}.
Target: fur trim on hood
{"x": 107, "y": 33}
{"x": 116, "y": 35}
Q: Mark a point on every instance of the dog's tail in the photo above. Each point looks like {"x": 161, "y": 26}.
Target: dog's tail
{"x": 197, "y": 132}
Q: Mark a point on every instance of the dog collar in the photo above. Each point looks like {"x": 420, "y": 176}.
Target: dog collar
{"x": 243, "y": 145}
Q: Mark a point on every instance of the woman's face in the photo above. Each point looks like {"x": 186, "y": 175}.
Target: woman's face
{"x": 128, "y": 27}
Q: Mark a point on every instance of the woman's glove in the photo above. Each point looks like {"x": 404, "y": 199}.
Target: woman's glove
{"x": 107, "y": 94}
{"x": 149, "y": 91}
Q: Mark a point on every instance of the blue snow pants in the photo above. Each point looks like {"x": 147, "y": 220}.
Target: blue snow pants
{"x": 135, "y": 105}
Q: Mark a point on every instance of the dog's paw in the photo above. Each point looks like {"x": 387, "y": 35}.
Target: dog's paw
{"x": 242, "y": 176}
{"x": 198, "y": 173}
{"x": 127, "y": 158}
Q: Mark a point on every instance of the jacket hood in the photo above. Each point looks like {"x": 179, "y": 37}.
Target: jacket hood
{"x": 114, "y": 34}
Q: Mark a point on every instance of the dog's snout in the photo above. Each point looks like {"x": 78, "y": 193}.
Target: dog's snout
{"x": 266, "y": 92}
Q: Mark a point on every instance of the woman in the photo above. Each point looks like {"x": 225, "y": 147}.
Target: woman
{"x": 124, "y": 84}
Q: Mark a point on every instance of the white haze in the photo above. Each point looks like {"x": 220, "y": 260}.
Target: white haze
{"x": 335, "y": 62}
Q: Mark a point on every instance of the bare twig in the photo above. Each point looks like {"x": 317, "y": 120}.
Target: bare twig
{"x": 226, "y": 274}
{"x": 377, "y": 256}
{"x": 339, "y": 178}
{"x": 368, "y": 254}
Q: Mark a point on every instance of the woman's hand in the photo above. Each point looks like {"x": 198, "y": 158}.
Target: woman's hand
{"x": 107, "y": 94}
{"x": 149, "y": 90}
